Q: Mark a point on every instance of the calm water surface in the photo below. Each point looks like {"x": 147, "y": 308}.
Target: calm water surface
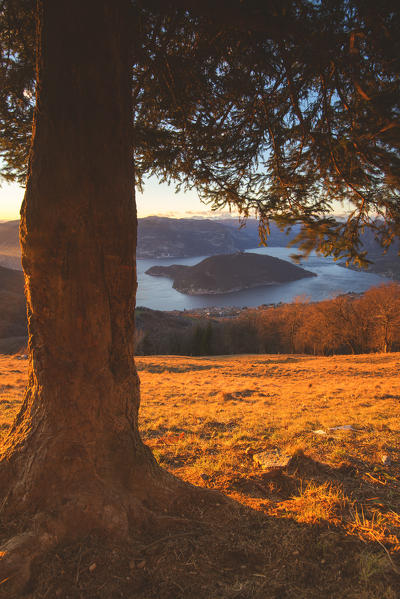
{"x": 157, "y": 292}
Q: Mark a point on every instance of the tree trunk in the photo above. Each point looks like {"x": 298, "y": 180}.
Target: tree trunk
{"x": 73, "y": 462}
{"x": 74, "y": 459}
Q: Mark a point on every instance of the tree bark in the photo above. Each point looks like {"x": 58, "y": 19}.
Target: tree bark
{"x": 74, "y": 448}
{"x": 74, "y": 463}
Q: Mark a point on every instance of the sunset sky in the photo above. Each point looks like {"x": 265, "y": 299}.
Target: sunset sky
{"x": 157, "y": 199}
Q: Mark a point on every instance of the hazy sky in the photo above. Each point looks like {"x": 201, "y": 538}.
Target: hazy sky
{"x": 157, "y": 199}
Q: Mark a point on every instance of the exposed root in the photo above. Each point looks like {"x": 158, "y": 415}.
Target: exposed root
{"x": 169, "y": 507}
{"x": 6, "y": 481}
{"x": 16, "y": 557}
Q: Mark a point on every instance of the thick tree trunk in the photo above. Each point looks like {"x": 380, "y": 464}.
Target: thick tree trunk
{"x": 74, "y": 449}
{"x": 73, "y": 462}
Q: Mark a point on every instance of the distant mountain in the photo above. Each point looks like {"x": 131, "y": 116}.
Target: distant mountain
{"x": 385, "y": 264}
{"x": 226, "y": 273}
{"x": 160, "y": 237}
{"x": 248, "y": 236}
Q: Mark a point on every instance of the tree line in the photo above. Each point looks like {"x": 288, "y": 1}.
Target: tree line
{"x": 347, "y": 324}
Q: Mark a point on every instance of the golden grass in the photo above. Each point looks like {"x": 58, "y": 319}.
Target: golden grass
{"x": 12, "y": 384}
{"x": 205, "y": 418}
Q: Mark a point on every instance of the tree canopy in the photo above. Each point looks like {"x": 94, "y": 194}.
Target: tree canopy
{"x": 282, "y": 108}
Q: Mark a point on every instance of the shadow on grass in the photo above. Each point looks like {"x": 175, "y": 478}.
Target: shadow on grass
{"x": 233, "y": 552}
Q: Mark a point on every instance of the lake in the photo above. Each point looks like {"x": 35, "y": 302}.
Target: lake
{"x": 157, "y": 292}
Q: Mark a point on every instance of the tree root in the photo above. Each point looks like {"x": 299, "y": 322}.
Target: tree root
{"x": 171, "y": 506}
{"x": 16, "y": 557}
{"x": 6, "y": 481}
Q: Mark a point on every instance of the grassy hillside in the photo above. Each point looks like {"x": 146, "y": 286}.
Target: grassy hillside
{"x": 327, "y": 525}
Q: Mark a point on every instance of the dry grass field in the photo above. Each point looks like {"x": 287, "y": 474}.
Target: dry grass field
{"x": 326, "y": 525}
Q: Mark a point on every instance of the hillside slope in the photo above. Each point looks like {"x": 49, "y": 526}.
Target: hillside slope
{"x": 10, "y": 251}
{"x": 9, "y": 240}
{"x": 323, "y": 526}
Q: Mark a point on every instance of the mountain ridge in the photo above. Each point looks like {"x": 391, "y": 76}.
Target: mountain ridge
{"x": 162, "y": 237}
{"x": 165, "y": 237}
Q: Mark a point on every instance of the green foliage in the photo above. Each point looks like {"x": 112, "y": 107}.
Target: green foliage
{"x": 278, "y": 108}
{"x": 17, "y": 85}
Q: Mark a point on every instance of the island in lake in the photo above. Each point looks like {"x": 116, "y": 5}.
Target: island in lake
{"x": 227, "y": 273}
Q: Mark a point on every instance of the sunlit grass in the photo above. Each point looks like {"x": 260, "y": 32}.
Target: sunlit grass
{"x": 228, "y": 408}
{"x": 205, "y": 418}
